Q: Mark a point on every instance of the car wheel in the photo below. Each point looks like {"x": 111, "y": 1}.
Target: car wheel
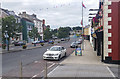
{"x": 59, "y": 57}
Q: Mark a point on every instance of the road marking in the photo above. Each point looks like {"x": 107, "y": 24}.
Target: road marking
{"x": 52, "y": 70}
{"x": 34, "y": 76}
{"x": 51, "y": 65}
{"x": 35, "y": 61}
{"x": 110, "y": 71}
{"x": 42, "y": 70}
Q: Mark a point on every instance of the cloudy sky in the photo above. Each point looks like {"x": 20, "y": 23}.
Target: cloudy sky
{"x": 56, "y": 12}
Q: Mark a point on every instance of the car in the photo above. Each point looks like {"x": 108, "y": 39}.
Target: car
{"x": 46, "y": 40}
{"x": 35, "y": 42}
{"x": 55, "y": 53}
{"x": 74, "y": 45}
{"x": 13, "y": 42}
{"x": 78, "y": 42}
{"x": 19, "y": 43}
{"x": 63, "y": 39}
{"x": 41, "y": 41}
{"x": 81, "y": 40}
{"x": 67, "y": 39}
{"x": 51, "y": 42}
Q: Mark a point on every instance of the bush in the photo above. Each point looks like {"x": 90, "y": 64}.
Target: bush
{"x": 52, "y": 43}
{"x": 58, "y": 41}
{"x": 3, "y": 46}
{"x": 24, "y": 46}
{"x": 42, "y": 44}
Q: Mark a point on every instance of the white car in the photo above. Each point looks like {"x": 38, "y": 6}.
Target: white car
{"x": 35, "y": 42}
{"x": 55, "y": 53}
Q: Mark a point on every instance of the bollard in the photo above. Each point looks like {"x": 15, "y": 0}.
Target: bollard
{"x": 46, "y": 70}
{"x": 20, "y": 70}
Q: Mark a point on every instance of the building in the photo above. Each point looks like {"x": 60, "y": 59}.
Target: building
{"x": 27, "y": 27}
{"x": 105, "y": 31}
{"x": 6, "y": 13}
{"x": 111, "y": 22}
{"x": 37, "y": 22}
{"x": 87, "y": 32}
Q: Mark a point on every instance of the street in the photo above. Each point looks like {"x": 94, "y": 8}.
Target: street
{"x": 11, "y": 61}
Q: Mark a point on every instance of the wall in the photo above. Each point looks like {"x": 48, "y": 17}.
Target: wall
{"x": 106, "y": 19}
{"x": 119, "y": 30}
{"x": 114, "y": 31}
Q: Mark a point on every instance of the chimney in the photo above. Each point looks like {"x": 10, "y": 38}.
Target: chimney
{"x": 24, "y": 12}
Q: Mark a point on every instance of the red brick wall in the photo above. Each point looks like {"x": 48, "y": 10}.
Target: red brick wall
{"x": 119, "y": 31}
{"x": 114, "y": 30}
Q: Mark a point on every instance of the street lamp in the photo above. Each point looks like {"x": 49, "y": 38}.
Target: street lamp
{"x": 6, "y": 36}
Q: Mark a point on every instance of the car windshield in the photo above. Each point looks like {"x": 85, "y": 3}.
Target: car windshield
{"x": 55, "y": 49}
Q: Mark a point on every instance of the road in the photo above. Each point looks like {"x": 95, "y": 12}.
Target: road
{"x": 29, "y": 58}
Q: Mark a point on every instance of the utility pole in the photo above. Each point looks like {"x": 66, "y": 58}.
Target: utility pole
{"x": 82, "y": 28}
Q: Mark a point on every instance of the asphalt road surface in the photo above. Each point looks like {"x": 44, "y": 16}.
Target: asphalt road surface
{"x": 31, "y": 60}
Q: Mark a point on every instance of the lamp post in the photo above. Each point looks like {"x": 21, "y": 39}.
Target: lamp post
{"x": 6, "y": 36}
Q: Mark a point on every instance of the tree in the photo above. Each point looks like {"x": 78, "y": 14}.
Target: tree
{"x": 77, "y": 28}
{"x": 10, "y": 26}
{"x": 63, "y": 32}
{"x": 34, "y": 33}
{"x": 47, "y": 34}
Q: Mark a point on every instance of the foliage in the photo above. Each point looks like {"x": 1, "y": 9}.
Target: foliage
{"x": 3, "y": 46}
{"x": 34, "y": 33}
{"x": 54, "y": 31}
{"x": 63, "y": 32}
{"x": 77, "y": 28}
{"x": 24, "y": 46}
{"x": 47, "y": 34}
{"x": 42, "y": 44}
{"x": 9, "y": 24}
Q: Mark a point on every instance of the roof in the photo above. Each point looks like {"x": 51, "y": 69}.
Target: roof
{"x": 27, "y": 20}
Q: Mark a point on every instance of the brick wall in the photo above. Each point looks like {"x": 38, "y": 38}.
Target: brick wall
{"x": 114, "y": 31}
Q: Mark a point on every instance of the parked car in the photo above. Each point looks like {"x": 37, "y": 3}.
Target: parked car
{"x": 63, "y": 39}
{"x": 13, "y": 42}
{"x": 51, "y": 42}
{"x": 41, "y": 41}
{"x": 81, "y": 40}
{"x": 46, "y": 40}
{"x": 74, "y": 45}
{"x": 19, "y": 43}
{"x": 78, "y": 42}
{"x": 67, "y": 39}
{"x": 35, "y": 42}
{"x": 55, "y": 53}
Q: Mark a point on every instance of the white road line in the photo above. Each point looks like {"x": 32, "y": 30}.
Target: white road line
{"x": 110, "y": 71}
{"x": 52, "y": 70}
{"x": 34, "y": 76}
{"x": 43, "y": 70}
{"x": 35, "y": 61}
{"x": 51, "y": 65}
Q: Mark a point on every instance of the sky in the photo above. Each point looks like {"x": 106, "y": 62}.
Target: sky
{"x": 57, "y": 13}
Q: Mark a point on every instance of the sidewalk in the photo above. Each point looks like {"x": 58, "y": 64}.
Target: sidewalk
{"x": 87, "y": 65}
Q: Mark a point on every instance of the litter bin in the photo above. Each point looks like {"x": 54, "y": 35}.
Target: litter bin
{"x": 78, "y": 52}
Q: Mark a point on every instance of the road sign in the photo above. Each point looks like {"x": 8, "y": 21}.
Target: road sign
{"x": 78, "y": 51}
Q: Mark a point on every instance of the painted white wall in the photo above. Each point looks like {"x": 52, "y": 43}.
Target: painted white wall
{"x": 106, "y": 11}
